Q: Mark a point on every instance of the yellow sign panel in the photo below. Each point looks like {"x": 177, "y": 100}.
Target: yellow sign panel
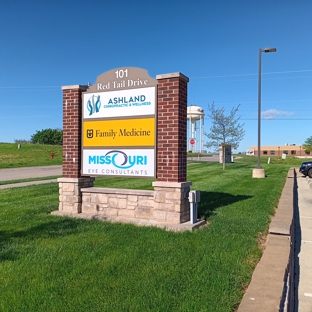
{"x": 125, "y": 132}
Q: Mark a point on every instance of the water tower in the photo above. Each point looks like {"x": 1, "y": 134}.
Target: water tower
{"x": 195, "y": 132}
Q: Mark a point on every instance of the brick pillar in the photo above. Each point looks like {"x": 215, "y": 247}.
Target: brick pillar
{"x": 70, "y": 184}
{"x": 171, "y": 188}
{"x": 171, "y": 127}
{"x": 72, "y": 108}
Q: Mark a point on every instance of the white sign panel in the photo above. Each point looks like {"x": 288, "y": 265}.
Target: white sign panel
{"x": 121, "y": 103}
{"x": 119, "y": 162}
{"x": 250, "y": 152}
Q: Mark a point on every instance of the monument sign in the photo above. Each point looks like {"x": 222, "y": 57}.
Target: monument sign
{"x": 119, "y": 124}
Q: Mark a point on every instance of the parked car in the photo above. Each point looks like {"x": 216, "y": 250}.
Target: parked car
{"x": 306, "y": 168}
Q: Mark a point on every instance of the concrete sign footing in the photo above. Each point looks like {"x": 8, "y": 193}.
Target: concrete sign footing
{"x": 258, "y": 173}
{"x": 186, "y": 226}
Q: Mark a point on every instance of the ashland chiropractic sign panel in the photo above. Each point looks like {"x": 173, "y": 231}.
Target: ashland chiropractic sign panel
{"x": 119, "y": 124}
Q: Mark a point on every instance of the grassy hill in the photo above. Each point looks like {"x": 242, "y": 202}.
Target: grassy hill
{"x": 29, "y": 155}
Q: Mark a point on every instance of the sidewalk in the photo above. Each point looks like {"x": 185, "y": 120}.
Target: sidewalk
{"x": 6, "y": 186}
{"x": 282, "y": 280}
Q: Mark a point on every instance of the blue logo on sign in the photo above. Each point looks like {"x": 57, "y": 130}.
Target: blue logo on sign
{"x": 118, "y": 159}
{"x": 94, "y": 104}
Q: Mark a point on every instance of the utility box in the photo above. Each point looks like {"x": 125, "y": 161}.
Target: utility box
{"x": 194, "y": 198}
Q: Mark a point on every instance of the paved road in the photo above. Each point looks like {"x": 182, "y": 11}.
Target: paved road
{"x": 49, "y": 171}
{"x": 214, "y": 158}
{"x": 29, "y": 172}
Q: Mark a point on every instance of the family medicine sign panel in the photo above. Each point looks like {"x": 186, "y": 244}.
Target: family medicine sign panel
{"x": 119, "y": 124}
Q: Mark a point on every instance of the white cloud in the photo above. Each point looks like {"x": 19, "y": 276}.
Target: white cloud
{"x": 272, "y": 113}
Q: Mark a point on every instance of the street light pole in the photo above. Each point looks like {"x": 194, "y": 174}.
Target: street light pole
{"x": 259, "y": 172}
{"x": 259, "y": 108}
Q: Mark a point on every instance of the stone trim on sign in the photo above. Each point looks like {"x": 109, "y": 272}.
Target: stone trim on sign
{"x": 164, "y": 204}
{"x": 70, "y": 193}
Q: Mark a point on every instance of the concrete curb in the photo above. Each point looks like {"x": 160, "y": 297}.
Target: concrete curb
{"x": 302, "y": 283}
{"x": 309, "y": 181}
{"x": 270, "y": 288}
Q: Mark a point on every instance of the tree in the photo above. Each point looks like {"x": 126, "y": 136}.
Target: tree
{"x": 48, "y": 136}
{"x": 225, "y": 129}
{"x": 307, "y": 145}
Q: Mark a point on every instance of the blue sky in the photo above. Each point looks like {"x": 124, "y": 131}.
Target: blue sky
{"x": 49, "y": 44}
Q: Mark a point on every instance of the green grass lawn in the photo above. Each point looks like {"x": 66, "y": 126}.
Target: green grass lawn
{"x": 29, "y": 155}
{"x": 50, "y": 263}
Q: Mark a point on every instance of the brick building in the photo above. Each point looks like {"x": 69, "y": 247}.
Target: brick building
{"x": 291, "y": 150}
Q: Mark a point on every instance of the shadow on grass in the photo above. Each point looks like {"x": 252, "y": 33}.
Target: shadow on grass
{"x": 210, "y": 201}
{"x": 10, "y": 240}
